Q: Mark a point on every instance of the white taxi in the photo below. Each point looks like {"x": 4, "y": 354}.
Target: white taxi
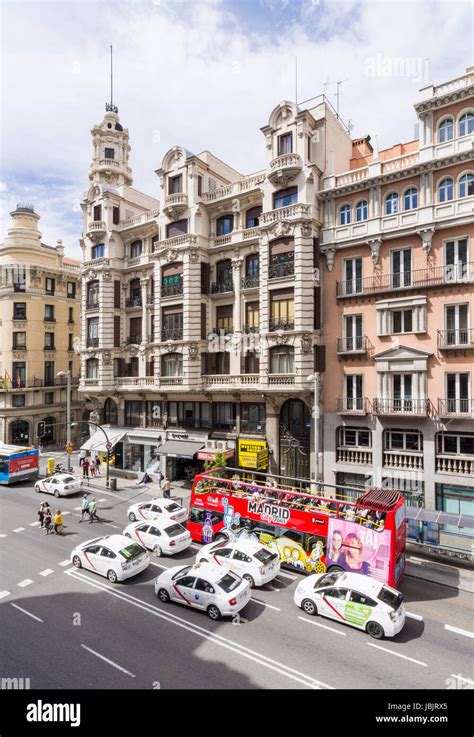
{"x": 245, "y": 556}
{"x": 114, "y": 556}
{"x": 149, "y": 510}
{"x": 160, "y": 535}
{"x": 204, "y": 586}
{"x": 354, "y": 599}
{"x": 62, "y": 484}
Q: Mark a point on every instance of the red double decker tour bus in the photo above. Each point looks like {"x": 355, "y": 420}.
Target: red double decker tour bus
{"x": 312, "y": 533}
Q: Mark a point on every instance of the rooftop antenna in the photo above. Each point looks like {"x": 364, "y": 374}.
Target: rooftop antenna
{"x": 109, "y": 106}
{"x": 338, "y": 83}
{"x": 296, "y": 81}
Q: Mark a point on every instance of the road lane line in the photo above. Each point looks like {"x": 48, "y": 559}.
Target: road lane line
{"x": 3, "y": 534}
{"x": 64, "y": 513}
{"x": 34, "y": 524}
{"x": 65, "y": 563}
{"x": 324, "y": 626}
{"x": 466, "y": 680}
{"x": 19, "y": 529}
{"x": 3, "y": 594}
{"x": 102, "y": 500}
{"x": 287, "y": 575}
{"x": 46, "y": 572}
{"x": 110, "y": 662}
{"x": 77, "y": 509}
{"x": 158, "y": 565}
{"x": 263, "y": 603}
{"x": 398, "y": 655}
{"x": 24, "y": 583}
{"x": 33, "y": 616}
{"x": 416, "y": 562}
{"x": 216, "y": 639}
{"x": 458, "y": 631}
{"x": 414, "y": 616}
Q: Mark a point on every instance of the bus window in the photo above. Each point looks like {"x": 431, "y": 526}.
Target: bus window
{"x": 197, "y": 516}
{"x": 4, "y": 465}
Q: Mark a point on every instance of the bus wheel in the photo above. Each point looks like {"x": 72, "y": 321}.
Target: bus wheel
{"x": 375, "y": 630}
{"x": 309, "y": 607}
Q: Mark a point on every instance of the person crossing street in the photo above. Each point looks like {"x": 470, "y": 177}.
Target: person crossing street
{"x": 85, "y": 507}
{"x": 93, "y": 511}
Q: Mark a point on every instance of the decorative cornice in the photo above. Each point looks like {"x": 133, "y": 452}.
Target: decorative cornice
{"x": 452, "y": 96}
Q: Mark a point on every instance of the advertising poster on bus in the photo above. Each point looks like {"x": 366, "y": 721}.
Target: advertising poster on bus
{"x": 359, "y": 549}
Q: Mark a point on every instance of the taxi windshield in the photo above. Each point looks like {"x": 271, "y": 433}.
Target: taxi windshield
{"x": 174, "y": 530}
{"x": 328, "y": 580}
{"x": 228, "y": 582}
{"x": 172, "y": 507}
{"x": 131, "y": 551}
{"x": 181, "y": 572}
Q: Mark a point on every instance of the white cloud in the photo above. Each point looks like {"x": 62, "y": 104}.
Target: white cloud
{"x": 202, "y": 74}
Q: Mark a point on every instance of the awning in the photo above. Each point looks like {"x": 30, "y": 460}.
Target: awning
{"x": 98, "y": 442}
{"x": 145, "y": 438}
{"x": 179, "y": 449}
{"x": 419, "y": 514}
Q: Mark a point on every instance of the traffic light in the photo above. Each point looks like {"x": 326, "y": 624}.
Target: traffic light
{"x": 41, "y": 429}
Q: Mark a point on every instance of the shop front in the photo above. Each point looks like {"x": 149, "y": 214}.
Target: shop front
{"x": 179, "y": 455}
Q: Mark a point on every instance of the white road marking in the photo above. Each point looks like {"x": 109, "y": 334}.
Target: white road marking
{"x": 24, "y": 583}
{"x": 116, "y": 527}
{"x": 33, "y": 616}
{"x": 65, "y": 563}
{"x": 46, "y": 572}
{"x": 213, "y": 637}
{"x": 437, "y": 562}
{"x": 77, "y": 509}
{"x": 102, "y": 500}
{"x": 324, "y": 626}
{"x": 291, "y": 576}
{"x": 414, "y": 616}
{"x": 264, "y": 603}
{"x": 398, "y": 655}
{"x": 415, "y": 561}
{"x": 3, "y": 594}
{"x": 3, "y": 534}
{"x": 34, "y": 524}
{"x": 110, "y": 662}
{"x": 64, "y": 513}
{"x": 467, "y": 680}
{"x": 458, "y": 631}
{"x": 158, "y": 565}
{"x": 19, "y": 529}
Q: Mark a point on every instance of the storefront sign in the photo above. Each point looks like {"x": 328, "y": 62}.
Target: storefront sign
{"x": 210, "y": 455}
{"x": 253, "y": 454}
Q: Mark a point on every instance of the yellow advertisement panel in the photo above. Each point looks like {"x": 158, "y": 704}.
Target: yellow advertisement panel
{"x": 253, "y": 454}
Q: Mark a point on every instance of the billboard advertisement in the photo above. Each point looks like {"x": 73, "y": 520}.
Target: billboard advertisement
{"x": 358, "y": 549}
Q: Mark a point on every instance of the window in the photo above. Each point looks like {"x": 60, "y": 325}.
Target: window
{"x": 457, "y": 393}
{"x": 172, "y": 364}
{"x": 224, "y": 416}
{"x": 285, "y": 144}
{"x": 224, "y": 274}
{"x": 174, "y": 184}
{"x": 136, "y": 249}
{"x": 466, "y": 124}
{"x": 19, "y": 310}
{"x": 282, "y": 360}
{"x": 98, "y": 251}
{"x": 353, "y": 333}
{"x": 225, "y": 225}
{"x": 454, "y": 500}
{"x": 251, "y": 362}
{"x": 49, "y": 341}
{"x": 252, "y": 217}
{"x": 410, "y": 199}
{"x": 353, "y": 275}
{"x": 109, "y": 153}
{"x": 466, "y": 185}
{"x": 49, "y": 313}
{"x": 252, "y": 317}
{"x": 93, "y": 329}
{"x": 252, "y": 417}
{"x": 92, "y": 368}
{"x": 49, "y": 397}
{"x": 455, "y": 443}
{"x": 402, "y": 321}
{"x": 354, "y": 437}
{"x": 402, "y": 392}
{"x": 252, "y": 265}
{"x": 199, "y": 185}
{"x": 19, "y": 432}
{"x": 180, "y": 227}
{"x": 362, "y": 210}
{"x": 363, "y": 599}
{"x": 282, "y": 309}
{"x": 224, "y": 319}
{"x": 97, "y": 213}
{"x": 285, "y": 197}
{"x": 172, "y": 323}
{"x": 216, "y": 363}
{"x": 353, "y": 392}
{"x": 92, "y": 291}
{"x": 19, "y": 278}
{"x": 411, "y": 440}
{"x": 282, "y": 258}
{"x": 172, "y": 279}
{"x": 445, "y": 190}
{"x": 18, "y": 374}
{"x": 401, "y": 268}
{"x": 19, "y": 341}
{"x": 446, "y": 130}
{"x": 71, "y": 290}
{"x": 455, "y": 257}
{"x": 49, "y": 373}
{"x": 456, "y": 320}
{"x": 18, "y": 400}
{"x": 49, "y": 285}
{"x": 71, "y": 315}
{"x": 133, "y": 413}
{"x": 391, "y": 203}
{"x": 345, "y": 215}
{"x": 70, "y": 345}
{"x": 116, "y": 215}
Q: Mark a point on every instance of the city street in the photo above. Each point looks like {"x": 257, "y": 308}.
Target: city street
{"x": 67, "y": 628}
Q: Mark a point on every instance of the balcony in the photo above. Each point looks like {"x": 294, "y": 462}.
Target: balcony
{"x": 49, "y": 348}
{"x": 290, "y": 212}
{"x": 98, "y": 228}
{"x": 134, "y": 381}
{"x": 436, "y": 276}
{"x": 19, "y": 348}
{"x": 401, "y": 407}
{"x": 133, "y": 339}
{"x": 171, "y": 381}
{"x": 92, "y": 342}
{"x": 222, "y": 287}
{"x": 352, "y": 405}
{"x": 21, "y": 317}
{"x": 49, "y": 319}
{"x": 356, "y": 345}
{"x": 455, "y": 465}
{"x": 274, "y": 326}
{"x": 175, "y": 205}
{"x": 403, "y": 460}
{"x": 92, "y": 304}
{"x": 251, "y": 329}
{"x": 250, "y": 282}
{"x": 171, "y": 290}
{"x": 230, "y": 380}
{"x": 236, "y": 188}
{"x": 171, "y": 334}
{"x": 354, "y": 456}
{"x": 19, "y": 287}
{"x": 131, "y": 302}
{"x": 456, "y": 408}
{"x": 285, "y": 269}
{"x": 284, "y": 169}
{"x": 223, "y": 331}
{"x": 449, "y": 340}
{"x": 281, "y": 380}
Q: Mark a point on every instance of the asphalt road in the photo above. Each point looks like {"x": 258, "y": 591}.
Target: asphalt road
{"x": 64, "y": 628}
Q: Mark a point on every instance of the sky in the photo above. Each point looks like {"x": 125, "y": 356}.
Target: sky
{"x": 204, "y": 74}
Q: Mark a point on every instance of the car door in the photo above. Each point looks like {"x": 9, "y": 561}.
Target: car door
{"x": 46, "y": 486}
{"x": 156, "y": 509}
{"x": 204, "y": 594}
{"x": 182, "y": 590}
{"x": 359, "y": 609}
{"x": 332, "y": 603}
{"x": 154, "y": 537}
{"x": 141, "y": 533}
{"x": 91, "y": 558}
{"x": 223, "y": 557}
{"x": 143, "y": 511}
{"x": 107, "y": 560}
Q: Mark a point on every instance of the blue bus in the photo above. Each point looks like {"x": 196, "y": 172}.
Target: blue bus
{"x": 18, "y": 464}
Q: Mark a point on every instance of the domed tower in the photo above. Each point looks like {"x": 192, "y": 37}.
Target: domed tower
{"x": 111, "y": 150}
{"x": 24, "y": 227}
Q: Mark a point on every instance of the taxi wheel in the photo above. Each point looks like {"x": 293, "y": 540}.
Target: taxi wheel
{"x": 76, "y": 561}
{"x": 248, "y": 577}
{"x": 112, "y": 576}
{"x": 213, "y": 612}
{"x": 37, "y": 489}
{"x": 309, "y": 607}
{"x": 375, "y": 630}
{"x": 127, "y": 534}
{"x": 157, "y": 551}
{"x": 163, "y": 596}
{"x": 56, "y": 493}
{"x": 132, "y": 517}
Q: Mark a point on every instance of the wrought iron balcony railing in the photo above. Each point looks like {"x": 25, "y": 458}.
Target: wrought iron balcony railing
{"x": 406, "y": 406}
{"x": 456, "y": 408}
{"x": 133, "y": 302}
{"x": 452, "y": 339}
{"x": 276, "y": 325}
{"x": 275, "y": 271}
{"x": 172, "y": 334}
{"x": 220, "y": 287}
{"x": 452, "y": 274}
{"x": 355, "y": 344}
{"x": 170, "y": 290}
{"x": 250, "y": 282}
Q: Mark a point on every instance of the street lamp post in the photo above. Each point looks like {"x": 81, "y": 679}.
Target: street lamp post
{"x": 67, "y": 374}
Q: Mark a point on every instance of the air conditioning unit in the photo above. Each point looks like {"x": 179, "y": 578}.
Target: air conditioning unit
{"x": 221, "y": 444}
{"x": 211, "y": 444}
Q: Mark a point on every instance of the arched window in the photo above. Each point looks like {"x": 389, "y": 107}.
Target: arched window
{"x": 362, "y": 211}
{"x": 446, "y": 130}
{"x": 282, "y": 359}
{"x": 49, "y": 430}
{"x": 252, "y": 217}
{"x": 466, "y": 124}
{"x": 466, "y": 185}
{"x": 172, "y": 364}
{"x": 410, "y": 199}
{"x": 345, "y": 215}
{"x": 136, "y": 249}
{"x": 225, "y": 224}
{"x": 445, "y": 190}
{"x": 110, "y": 412}
{"x": 391, "y": 203}
{"x": 20, "y": 432}
{"x": 92, "y": 368}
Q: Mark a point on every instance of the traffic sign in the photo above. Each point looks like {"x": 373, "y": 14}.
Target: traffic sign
{"x": 69, "y": 448}
{"x": 109, "y": 446}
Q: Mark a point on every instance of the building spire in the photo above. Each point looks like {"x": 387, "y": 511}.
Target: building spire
{"x": 109, "y": 106}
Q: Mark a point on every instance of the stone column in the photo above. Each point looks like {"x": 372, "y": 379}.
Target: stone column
{"x": 145, "y": 326}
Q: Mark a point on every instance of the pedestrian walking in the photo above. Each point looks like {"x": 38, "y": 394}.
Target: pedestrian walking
{"x": 41, "y": 514}
{"x": 58, "y": 523}
{"x": 40, "y": 449}
{"x": 85, "y": 468}
{"x": 47, "y": 520}
{"x": 85, "y": 507}
{"x": 93, "y": 511}
{"x": 93, "y": 467}
{"x": 166, "y": 488}
{"x": 82, "y": 456}
{"x": 159, "y": 476}
{"x": 97, "y": 465}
